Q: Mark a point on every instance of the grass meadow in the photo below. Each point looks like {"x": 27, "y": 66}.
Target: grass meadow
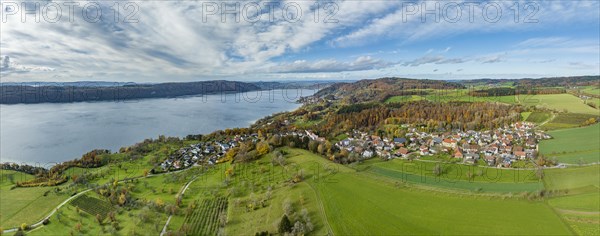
{"x": 575, "y": 146}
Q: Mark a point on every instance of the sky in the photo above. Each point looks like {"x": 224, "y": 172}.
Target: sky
{"x": 163, "y": 41}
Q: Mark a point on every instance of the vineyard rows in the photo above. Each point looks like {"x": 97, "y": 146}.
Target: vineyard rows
{"x": 92, "y": 205}
{"x": 204, "y": 220}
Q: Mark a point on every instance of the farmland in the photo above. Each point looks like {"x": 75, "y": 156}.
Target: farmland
{"x": 425, "y": 212}
{"x": 92, "y": 205}
{"x": 581, "y": 212}
{"x": 567, "y": 120}
{"x": 204, "y": 220}
{"x": 538, "y": 117}
{"x": 493, "y": 184}
{"x": 573, "y": 178}
{"x": 27, "y": 205}
{"x": 558, "y": 102}
{"x": 593, "y": 90}
{"x": 577, "y": 145}
{"x": 405, "y": 98}
{"x": 259, "y": 193}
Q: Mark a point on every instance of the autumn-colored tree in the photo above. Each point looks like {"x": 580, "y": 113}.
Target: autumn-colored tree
{"x": 231, "y": 153}
{"x": 122, "y": 199}
{"x": 24, "y": 227}
{"x": 262, "y": 148}
{"x": 229, "y": 172}
{"x": 146, "y": 172}
{"x": 159, "y": 202}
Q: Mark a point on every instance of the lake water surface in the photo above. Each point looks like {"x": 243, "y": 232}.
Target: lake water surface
{"x": 48, "y": 133}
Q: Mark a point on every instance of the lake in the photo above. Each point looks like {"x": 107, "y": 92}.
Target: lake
{"x": 55, "y": 132}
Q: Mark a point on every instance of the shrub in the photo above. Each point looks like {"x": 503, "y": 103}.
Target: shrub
{"x": 285, "y": 225}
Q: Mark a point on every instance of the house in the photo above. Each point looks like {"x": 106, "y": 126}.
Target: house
{"x": 458, "y": 154}
{"x": 449, "y": 143}
{"x": 520, "y": 154}
{"x": 367, "y": 154}
{"x": 345, "y": 142}
{"x": 402, "y": 152}
{"x": 490, "y": 160}
{"x": 471, "y": 156}
{"x": 423, "y": 150}
{"x": 399, "y": 140}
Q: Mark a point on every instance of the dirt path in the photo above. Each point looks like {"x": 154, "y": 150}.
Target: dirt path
{"x": 322, "y": 209}
{"x": 181, "y": 192}
{"x": 38, "y": 224}
{"x": 548, "y": 120}
{"x": 587, "y": 213}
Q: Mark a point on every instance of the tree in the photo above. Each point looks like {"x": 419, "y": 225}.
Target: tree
{"x": 539, "y": 172}
{"x": 223, "y": 218}
{"x": 122, "y": 199}
{"x": 262, "y": 148}
{"x": 58, "y": 215}
{"x": 437, "y": 170}
{"x": 278, "y": 159}
{"x": 99, "y": 218}
{"x": 299, "y": 228}
{"x": 24, "y": 227}
{"x": 285, "y": 225}
{"x": 146, "y": 172}
{"x": 287, "y": 207}
{"x": 159, "y": 202}
{"x": 231, "y": 153}
{"x": 312, "y": 146}
{"x": 321, "y": 149}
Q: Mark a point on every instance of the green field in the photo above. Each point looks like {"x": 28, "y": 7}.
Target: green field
{"x": 25, "y": 205}
{"x": 559, "y": 102}
{"x": 538, "y": 117}
{"x": 463, "y": 95}
{"x": 375, "y": 197}
{"x": 567, "y": 120}
{"x": 132, "y": 221}
{"x": 581, "y": 212}
{"x": 593, "y": 90}
{"x": 406, "y": 98}
{"x": 360, "y": 205}
{"x": 583, "y": 202}
{"x": 573, "y": 178}
{"x": 577, "y": 145}
{"x": 456, "y": 176}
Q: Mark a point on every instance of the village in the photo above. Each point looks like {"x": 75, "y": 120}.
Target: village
{"x": 497, "y": 148}
{"x": 500, "y": 147}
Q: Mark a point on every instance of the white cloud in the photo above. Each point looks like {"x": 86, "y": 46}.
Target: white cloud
{"x": 434, "y": 60}
{"x": 408, "y": 24}
{"x": 330, "y": 65}
{"x": 172, "y": 41}
{"x": 8, "y": 66}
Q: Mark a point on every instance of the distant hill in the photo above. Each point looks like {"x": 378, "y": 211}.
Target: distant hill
{"x": 540, "y": 82}
{"x": 383, "y": 88}
{"x": 12, "y": 94}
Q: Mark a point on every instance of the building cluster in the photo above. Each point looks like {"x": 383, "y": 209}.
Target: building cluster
{"x": 203, "y": 152}
{"x": 500, "y": 147}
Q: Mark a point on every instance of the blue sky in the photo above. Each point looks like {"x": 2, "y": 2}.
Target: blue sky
{"x": 194, "y": 40}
